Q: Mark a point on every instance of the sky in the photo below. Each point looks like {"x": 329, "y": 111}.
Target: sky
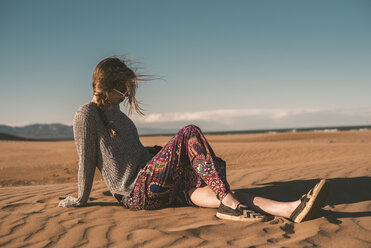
{"x": 223, "y": 65}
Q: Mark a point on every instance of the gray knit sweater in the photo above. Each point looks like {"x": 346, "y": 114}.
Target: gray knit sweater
{"x": 119, "y": 159}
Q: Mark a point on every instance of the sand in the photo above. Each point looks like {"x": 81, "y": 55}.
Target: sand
{"x": 282, "y": 166}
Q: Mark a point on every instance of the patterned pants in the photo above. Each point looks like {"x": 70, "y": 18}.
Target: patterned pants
{"x": 185, "y": 162}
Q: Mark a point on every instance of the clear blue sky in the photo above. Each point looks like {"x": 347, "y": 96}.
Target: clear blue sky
{"x": 226, "y": 64}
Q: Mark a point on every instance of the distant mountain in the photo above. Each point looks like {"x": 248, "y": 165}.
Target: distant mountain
{"x": 59, "y": 131}
{"x": 4, "y": 136}
{"x": 40, "y": 131}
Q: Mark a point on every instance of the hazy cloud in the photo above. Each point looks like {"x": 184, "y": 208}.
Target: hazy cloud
{"x": 221, "y": 115}
{"x": 231, "y": 119}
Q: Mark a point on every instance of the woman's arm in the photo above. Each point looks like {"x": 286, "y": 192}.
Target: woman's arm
{"x": 86, "y": 143}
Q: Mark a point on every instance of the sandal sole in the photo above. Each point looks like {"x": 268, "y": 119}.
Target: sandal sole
{"x": 315, "y": 203}
{"x": 238, "y": 218}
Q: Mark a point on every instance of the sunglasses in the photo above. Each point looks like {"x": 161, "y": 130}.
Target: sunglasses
{"x": 123, "y": 95}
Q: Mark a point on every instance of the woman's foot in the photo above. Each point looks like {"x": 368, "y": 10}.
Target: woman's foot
{"x": 231, "y": 209}
{"x": 240, "y": 213}
{"x": 230, "y": 201}
{"x": 311, "y": 202}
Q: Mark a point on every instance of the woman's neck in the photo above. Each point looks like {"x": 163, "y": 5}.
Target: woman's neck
{"x": 94, "y": 100}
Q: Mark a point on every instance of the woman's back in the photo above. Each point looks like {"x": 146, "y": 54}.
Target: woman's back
{"x": 119, "y": 158}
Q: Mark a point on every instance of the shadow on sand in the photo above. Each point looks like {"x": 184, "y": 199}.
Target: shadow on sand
{"x": 342, "y": 191}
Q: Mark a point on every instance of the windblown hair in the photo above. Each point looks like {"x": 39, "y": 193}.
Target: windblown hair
{"x": 113, "y": 73}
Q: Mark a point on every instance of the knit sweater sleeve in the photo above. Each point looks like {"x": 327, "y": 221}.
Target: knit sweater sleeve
{"x": 86, "y": 143}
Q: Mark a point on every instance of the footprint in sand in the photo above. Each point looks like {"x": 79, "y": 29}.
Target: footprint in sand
{"x": 272, "y": 240}
{"x": 288, "y": 228}
{"x": 268, "y": 229}
{"x": 277, "y": 220}
{"x": 286, "y": 236}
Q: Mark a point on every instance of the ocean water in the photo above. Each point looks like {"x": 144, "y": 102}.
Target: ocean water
{"x": 303, "y": 129}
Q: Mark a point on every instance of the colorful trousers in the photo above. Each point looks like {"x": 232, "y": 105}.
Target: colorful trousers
{"x": 185, "y": 162}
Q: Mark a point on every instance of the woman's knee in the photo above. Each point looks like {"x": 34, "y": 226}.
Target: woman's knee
{"x": 192, "y": 127}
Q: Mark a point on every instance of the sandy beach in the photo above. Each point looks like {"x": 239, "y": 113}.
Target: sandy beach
{"x": 281, "y": 166}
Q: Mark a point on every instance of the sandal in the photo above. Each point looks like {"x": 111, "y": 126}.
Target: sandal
{"x": 311, "y": 202}
{"x": 241, "y": 213}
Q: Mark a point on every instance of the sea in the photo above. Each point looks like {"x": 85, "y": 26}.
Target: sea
{"x": 301, "y": 129}
{"x": 282, "y": 130}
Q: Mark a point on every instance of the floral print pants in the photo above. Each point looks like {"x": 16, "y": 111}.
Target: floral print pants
{"x": 185, "y": 162}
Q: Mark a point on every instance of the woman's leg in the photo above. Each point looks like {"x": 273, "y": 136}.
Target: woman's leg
{"x": 211, "y": 170}
{"x": 204, "y": 164}
{"x": 205, "y": 197}
{"x": 207, "y": 168}
{"x": 213, "y": 173}
{"x": 185, "y": 162}
{"x": 185, "y": 157}
{"x": 193, "y": 162}
{"x": 264, "y": 205}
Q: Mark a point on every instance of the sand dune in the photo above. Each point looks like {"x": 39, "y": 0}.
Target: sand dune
{"x": 34, "y": 175}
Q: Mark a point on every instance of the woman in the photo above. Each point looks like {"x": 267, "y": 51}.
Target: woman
{"x": 185, "y": 170}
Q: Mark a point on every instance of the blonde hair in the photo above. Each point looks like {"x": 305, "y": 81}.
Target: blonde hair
{"x": 113, "y": 73}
